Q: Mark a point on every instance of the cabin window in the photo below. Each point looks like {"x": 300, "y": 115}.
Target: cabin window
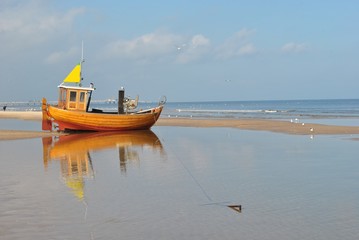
{"x": 73, "y": 96}
{"x": 63, "y": 96}
{"x": 82, "y": 96}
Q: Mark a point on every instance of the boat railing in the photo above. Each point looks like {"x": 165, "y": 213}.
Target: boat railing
{"x": 162, "y": 100}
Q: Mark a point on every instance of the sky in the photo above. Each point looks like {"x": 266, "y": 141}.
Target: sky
{"x": 186, "y": 50}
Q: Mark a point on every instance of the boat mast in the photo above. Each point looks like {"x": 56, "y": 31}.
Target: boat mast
{"x": 82, "y": 60}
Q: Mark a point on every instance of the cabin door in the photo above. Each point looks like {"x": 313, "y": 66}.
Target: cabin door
{"x": 72, "y": 103}
{"x": 82, "y": 101}
{"x": 77, "y": 100}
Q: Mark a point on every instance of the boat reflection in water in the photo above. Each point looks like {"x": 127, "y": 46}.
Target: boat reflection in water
{"x": 73, "y": 152}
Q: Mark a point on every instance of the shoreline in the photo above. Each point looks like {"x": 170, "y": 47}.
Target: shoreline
{"x": 277, "y": 126}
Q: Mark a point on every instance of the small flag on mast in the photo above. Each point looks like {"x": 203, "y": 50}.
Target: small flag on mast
{"x": 75, "y": 75}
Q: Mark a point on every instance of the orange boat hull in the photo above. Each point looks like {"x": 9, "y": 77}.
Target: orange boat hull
{"x": 88, "y": 121}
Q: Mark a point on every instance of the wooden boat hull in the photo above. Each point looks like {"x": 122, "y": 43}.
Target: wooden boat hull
{"x": 88, "y": 121}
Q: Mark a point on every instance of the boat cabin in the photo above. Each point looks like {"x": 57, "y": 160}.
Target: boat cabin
{"x": 74, "y": 98}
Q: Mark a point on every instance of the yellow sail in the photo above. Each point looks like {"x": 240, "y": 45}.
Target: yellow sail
{"x": 75, "y": 75}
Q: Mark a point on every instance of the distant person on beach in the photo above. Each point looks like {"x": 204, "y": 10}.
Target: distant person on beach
{"x": 4, "y": 108}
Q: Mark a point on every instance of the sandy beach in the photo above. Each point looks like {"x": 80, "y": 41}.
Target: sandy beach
{"x": 21, "y": 115}
{"x": 278, "y": 126}
{"x": 262, "y": 125}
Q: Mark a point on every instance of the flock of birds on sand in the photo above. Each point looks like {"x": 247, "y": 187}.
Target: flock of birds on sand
{"x": 297, "y": 121}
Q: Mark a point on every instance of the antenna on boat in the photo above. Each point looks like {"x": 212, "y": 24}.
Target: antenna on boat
{"x": 82, "y": 59}
{"x": 82, "y": 51}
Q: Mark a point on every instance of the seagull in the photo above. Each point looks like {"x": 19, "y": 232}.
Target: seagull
{"x": 181, "y": 46}
{"x": 312, "y": 129}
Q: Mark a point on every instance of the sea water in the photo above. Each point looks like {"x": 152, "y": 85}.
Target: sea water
{"x": 177, "y": 183}
{"x": 281, "y": 109}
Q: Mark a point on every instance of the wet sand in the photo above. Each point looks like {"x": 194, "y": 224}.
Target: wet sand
{"x": 20, "y": 134}
{"x": 179, "y": 183}
{"x": 21, "y": 115}
{"x": 278, "y": 126}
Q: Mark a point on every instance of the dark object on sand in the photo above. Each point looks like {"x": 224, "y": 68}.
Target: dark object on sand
{"x": 237, "y": 208}
{"x": 4, "y": 108}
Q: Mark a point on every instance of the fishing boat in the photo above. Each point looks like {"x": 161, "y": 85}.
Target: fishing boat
{"x": 72, "y": 112}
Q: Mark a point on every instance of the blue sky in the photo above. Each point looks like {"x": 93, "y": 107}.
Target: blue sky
{"x": 186, "y": 50}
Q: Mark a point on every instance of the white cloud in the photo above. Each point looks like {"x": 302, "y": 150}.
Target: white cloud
{"x": 246, "y": 49}
{"x": 31, "y": 22}
{"x": 199, "y": 40}
{"x": 237, "y": 45}
{"x": 196, "y": 48}
{"x": 147, "y": 46}
{"x": 294, "y": 47}
{"x": 159, "y": 46}
{"x": 60, "y": 56}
